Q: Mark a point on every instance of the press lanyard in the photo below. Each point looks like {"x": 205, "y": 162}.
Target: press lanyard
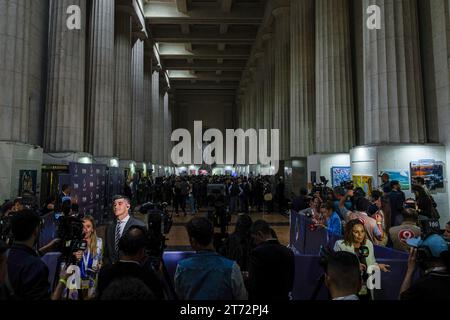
{"x": 86, "y": 262}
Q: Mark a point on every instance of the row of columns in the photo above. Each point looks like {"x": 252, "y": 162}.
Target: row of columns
{"x": 102, "y": 94}
{"x": 307, "y": 87}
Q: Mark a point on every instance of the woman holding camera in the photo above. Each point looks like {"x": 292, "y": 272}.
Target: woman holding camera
{"x": 89, "y": 261}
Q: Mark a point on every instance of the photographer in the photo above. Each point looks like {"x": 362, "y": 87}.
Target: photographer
{"x": 433, "y": 258}
{"x": 27, "y": 273}
{"x": 132, "y": 245}
{"x": 343, "y": 276}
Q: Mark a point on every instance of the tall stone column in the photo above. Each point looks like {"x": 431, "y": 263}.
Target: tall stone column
{"x": 65, "y": 116}
{"x": 14, "y": 37}
{"x": 161, "y": 132}
{"x": 393, "y": 91}
{"x": 38, "y": 46}
{"x": 282, "y": 78}
{"x": 334, "y": 85}
{"x": 166, "y": 130}
{"x": 148, "y": 108}
{"x": 156, "y": 147}
{"x": 302, "y": 86}
{"x": 100, "y": 80}
{"x": 138, "y": 110}
{"x": 259, "y": 91}
{"x": 122, "y": 87}
{"x": 269, "y": 72}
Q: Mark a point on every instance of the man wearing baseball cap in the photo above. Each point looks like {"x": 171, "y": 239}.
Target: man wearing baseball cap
{"x": 432, "y": 256}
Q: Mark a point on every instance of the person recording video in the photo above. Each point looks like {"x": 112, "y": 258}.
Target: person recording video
{"x": 431, "y": 255}
{"x": 27, "y": 274}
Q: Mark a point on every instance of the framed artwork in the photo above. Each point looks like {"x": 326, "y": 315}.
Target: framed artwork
{"x": 340, "y": 175}
{"x": 432, "y": 171}
{"x": 365, "y": 182}
{"x": 401, "y": 176}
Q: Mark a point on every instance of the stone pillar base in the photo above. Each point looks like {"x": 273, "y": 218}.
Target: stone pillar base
{"x": 15, "y": 157}
{"x": 108, "y": 161}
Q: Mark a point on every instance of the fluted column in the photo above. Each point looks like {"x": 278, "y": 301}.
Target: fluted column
{"x": 100, "y": 80}
{"x": 161, "y": 125}
{"x": 123, "y": 90}
{"x": 259, "y": 82}
{"x": 138, "y": 110}
{"x": 166, "y": 130}
{"x": 38, "y": 46}
{"x": 302, "y": 78}
{"x": 334, "y": 85}
{"x": 269, "y": 66}
{"x": 156, "y": 147}
{"x": 64, "y": 123}
{"x": 14, "y": 37}
{"x": 393, "y": 91}
{"x": 148, "y": 109}
{"x": 282, "y": 78}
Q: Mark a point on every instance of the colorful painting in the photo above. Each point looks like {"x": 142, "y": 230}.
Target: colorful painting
{"x": 340, "y": 175}
{"x": 364, "y": 182}
{"x": 401, "y": 176}
{"x": 432, "y": 171}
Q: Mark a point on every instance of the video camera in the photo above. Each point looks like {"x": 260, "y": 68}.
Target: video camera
{"x": 347, "y": 185}
{"x": 159, "y": 224}
{"x": 428, "y": 226}
{"x": 70, "y": 231}
{"x": 5, "y": 230}
{"x": 216, "y": 202}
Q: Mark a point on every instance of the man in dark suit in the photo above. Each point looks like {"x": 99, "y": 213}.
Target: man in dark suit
{"x": 272, "y": 266}
{"x": 123, "y": 222}
{"x": 132, "y": 246}
{"x": 396, "y": 199}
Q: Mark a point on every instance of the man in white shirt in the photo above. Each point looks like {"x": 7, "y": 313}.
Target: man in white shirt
{"x": 123, "y": 221}
{"x": 343, "y": 276}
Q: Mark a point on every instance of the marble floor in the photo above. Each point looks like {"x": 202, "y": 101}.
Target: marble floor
{"x": 178, "y": 238}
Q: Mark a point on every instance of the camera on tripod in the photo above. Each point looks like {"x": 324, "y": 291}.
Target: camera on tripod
{"x": 159, "y": 223}
{"x": 70, "y": 231}
{"x": 5, "y": 230}
{"x": 217, "y": 207}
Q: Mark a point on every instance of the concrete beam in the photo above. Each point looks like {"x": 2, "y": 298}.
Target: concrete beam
{"x": 171, "y": 36}
{"x": 168, "y": 13}
{"x": 205, "y": 65}
{"x": 182, "y": 51}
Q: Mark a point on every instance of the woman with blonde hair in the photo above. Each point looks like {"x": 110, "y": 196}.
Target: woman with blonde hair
{"x": 89, "y": 261}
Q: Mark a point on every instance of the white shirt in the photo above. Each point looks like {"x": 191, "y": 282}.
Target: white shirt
{"x": 123, "y": 224}
{"x": 349, "y": 297}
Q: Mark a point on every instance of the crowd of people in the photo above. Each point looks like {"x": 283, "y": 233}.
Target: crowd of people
{"x": 190, "y": 193}
{"x": 251, "y": 263}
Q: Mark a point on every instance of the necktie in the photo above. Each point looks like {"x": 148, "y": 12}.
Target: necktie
{"x": 117, "y": 238}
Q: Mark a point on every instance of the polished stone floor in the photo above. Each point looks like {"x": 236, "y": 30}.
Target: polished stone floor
{"x": 178, "y": 239}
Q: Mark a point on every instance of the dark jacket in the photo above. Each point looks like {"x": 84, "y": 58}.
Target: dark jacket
{"x": 396, "y": 200}
{"x": 28, "y": 274}
{"x": 129, "y": 269}
{"x": 111, "y": 256}
{"x": 271, "y": 272}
